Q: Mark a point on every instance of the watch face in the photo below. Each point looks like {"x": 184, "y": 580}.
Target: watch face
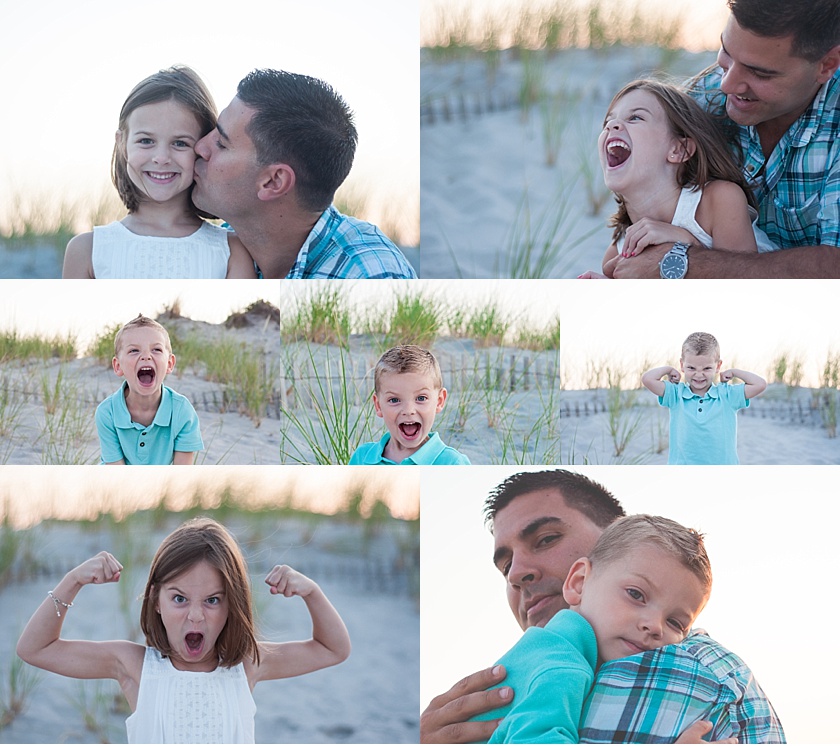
{"x": 673, "y": 267}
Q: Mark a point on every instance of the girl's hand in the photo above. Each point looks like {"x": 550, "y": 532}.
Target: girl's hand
{"x": 648, "y": 232}
{"x": 283, "y": 579}
{"x": 103, "y": 568}
{"x": 592, "y": 275}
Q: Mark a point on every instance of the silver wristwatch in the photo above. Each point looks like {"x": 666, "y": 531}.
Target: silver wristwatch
{"x": 674, "y": 265}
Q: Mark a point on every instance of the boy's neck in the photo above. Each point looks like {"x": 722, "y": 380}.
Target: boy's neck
{"x": 393, "y": 451}
{"x": 143, "y": 409}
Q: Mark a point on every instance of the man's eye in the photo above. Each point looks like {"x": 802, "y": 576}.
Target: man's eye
{"x": 550, "y": 539}
{"x": 219, "y": 144}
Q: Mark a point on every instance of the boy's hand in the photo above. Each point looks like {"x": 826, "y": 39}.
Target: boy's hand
{"x": 283, "y": 579}
{"x": 674, "y": 375}
{"x": 695, "y": 732}
{"x": 103, "y": 568}
{"x": 727, "y": 375}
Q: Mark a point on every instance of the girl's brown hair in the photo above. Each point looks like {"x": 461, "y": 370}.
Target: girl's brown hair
{"x": 203, "y": 540}
{"x": 179, "y": 83}
{"x": 712, "y": 159}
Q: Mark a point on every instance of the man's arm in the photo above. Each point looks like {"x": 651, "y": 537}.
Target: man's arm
{"x": 445, "y": 719}
{"x": 795, "y": 263}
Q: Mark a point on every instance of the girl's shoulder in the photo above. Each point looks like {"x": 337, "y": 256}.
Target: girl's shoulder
{"x": 720, "y": 191}
{"x": 78, "y": 257}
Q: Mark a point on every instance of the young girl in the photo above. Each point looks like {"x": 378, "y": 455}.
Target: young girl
{"x": 163, "y": 235}
{"x": 192, "y": 681}
{"x": 673, "y": 174}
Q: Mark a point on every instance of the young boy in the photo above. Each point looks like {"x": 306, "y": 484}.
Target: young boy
{"x": 407, "y": 393}
{"x": 145, "y": 422}
{"x": 704, "y": 425}
{"x": 641, "y": 588}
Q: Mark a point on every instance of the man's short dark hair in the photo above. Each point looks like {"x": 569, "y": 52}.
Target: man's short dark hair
{"x": 303, "y": 122}
{"x": 814, "y": 24}
{"x": 580, "y": 493}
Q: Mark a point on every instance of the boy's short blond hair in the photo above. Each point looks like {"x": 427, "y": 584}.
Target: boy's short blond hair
{"x": 681, "y": 543}
{"x": 701, "y": 343}
{"x": 140, "y": 321}
{"x": 408, "y": 359}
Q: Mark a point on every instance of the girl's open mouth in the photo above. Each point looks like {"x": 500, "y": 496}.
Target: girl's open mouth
{"x": 618, "y": 152}
{"x": 194, "y": 642}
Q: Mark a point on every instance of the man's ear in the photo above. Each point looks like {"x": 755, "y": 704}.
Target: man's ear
{"x": 575, "y": 580}
{"x": 275, "y": 181}
{"x": 828, "y": 65}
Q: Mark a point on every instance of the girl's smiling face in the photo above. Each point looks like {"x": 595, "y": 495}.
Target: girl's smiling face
{"x": 637, "y": 142}
{"x": 193, "y": 607}
{"x": 160, "y": 144}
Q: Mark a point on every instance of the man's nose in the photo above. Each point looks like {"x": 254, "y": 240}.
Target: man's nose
{"x": 202, "y": 147}
{"x": 522, "y": 572}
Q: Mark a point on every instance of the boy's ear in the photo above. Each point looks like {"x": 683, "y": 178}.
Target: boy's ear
{"x": 376, "y": 407}
{"x": 115, "y": 364}
{"x": 170, "y": 365}
{"x": 681, "y": 150}
{"x": 575, "y": 580}
{"x": 275, "y": 181}
{"x": 441, "y": 401}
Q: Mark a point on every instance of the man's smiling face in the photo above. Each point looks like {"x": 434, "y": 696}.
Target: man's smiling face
{"x": 537, "y": 539}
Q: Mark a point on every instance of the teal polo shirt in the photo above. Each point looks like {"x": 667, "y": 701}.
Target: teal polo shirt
{"x": 432, "y": 453}
{"x": 704, "y": 429}
{"x": 175, "y": 428}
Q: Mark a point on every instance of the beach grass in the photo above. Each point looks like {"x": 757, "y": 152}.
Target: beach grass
{"x": 17, "y": 687}
{"x": 322, "y": 317}
{"x": 17, "y": 346}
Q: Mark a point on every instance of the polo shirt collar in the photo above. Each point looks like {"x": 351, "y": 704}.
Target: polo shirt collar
{"x": 426, "y": 454}
{"x": 712, "y": 393}
{"x": 163, "y": 416}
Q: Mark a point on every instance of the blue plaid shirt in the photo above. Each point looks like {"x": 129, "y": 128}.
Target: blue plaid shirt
{"x": 652, "y": 697}
{"x": 798, "y": 186}
{"x": 341, "y": 247}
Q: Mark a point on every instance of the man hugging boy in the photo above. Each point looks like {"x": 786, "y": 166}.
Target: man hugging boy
{"x": 641, "y": 588}
{"x": 145, "y": 422}
{"x": 408, "y": 393}
{"x": 703, "y": 423}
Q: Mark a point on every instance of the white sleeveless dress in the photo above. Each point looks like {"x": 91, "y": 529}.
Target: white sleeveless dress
{"x": 191, "y": 707}
{"x": 120, "y": 254}
{"x": 685, "y": 217}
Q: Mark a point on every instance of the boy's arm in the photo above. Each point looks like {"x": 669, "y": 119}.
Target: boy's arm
{"x": 330, "y": 642}
{"x": 651, "y": 379}
{"x": 109, "y": 442}
{"x": 754, "y": 384}
{"x": 41, "y": 644}
{"x": 184, "y": 458}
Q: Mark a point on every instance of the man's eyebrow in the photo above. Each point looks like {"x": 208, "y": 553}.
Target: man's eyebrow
{"x": 529, "y": 530}
{"x": 754, "y": 68}
{"x": 221, "y": 132}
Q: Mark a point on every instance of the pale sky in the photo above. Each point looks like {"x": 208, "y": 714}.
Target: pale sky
{"x": 770, "y": 536}
{"x": 68, "y": 67}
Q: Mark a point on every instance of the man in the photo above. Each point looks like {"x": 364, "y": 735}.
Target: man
{"x": 271, "y": 168}
{"x": 778, "y": 71}
{"x": 542, "y": 522}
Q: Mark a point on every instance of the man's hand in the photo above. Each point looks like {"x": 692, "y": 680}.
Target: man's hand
{"x": 643, "y": 266}
{"x": 695, "y": 731}
{"x": 445, "y": 719}
{"x": 591, "y": 274}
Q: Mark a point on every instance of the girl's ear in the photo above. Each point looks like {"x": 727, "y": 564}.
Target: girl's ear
{"x": 575, "y": 580}
{"x": 682, "y": 149}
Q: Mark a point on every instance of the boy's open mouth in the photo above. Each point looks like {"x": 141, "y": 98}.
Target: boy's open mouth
{"x": 410, "y": 429}
{"x": 146, "y": 375}
{"x": 194, "y": 642}
{"x": 618, "y": 151}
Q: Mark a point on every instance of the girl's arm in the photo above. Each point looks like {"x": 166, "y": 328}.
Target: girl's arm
{"x": 41, "y": 644}
{"x": 240, "y": 264}
{"x": 754, "y": 385}
{"x": 609, "y": 259}
{"x": 651, "y": 379}
{"x": 329, "y": 645}
{"x": 649, "y": 232}
{"x": 723, "y": 214}
{"x": 78, "y": 258}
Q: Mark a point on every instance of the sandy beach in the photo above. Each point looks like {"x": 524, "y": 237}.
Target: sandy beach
{"x": 493, "y": 205}
{"x": 369, "y": 575}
